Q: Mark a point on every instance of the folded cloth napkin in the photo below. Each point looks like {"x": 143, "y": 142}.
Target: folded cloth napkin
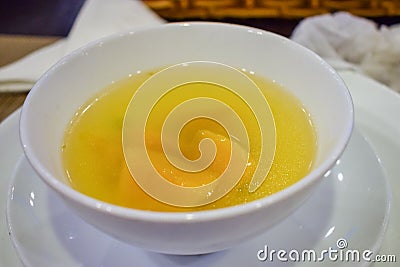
{"x": 97, "y": 18}
{"x": 350, "y": 42}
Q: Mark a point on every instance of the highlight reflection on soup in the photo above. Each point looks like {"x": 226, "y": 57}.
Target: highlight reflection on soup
{"x": 95, "y": 165}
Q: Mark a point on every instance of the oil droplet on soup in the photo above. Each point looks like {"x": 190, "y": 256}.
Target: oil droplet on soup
{"x": 94, "y": 162}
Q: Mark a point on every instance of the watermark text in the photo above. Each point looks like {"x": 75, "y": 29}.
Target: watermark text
{"x": 339, "y": 253}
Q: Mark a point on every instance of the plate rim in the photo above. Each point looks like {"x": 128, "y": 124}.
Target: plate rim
{"x": 10, "y": 124}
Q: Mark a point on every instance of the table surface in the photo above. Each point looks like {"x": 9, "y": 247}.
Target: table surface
{"x": 17, "y": 46}
{"x": 26, "y": 26}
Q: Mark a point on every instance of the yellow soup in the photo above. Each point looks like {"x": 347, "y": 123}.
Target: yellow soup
{"x": 94, "y": 161}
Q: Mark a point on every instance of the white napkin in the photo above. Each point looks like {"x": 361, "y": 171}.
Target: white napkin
{"x": 350, "y": 42}
{"x": 97, "y": 18}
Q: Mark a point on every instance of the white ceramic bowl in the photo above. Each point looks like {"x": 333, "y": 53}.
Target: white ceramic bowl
{"x": 77, "y": 77}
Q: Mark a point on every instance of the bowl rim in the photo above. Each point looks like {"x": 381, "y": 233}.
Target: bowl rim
{"x": 195, "y": 216}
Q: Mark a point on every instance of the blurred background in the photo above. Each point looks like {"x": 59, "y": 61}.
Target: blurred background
{"x": 55, "y": 17}
{"x": 26, "y": 25}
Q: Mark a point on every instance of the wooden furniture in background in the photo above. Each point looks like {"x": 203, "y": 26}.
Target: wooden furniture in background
{"x": 219, "y": 9}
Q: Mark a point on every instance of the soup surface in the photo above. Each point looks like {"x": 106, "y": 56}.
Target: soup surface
{"x": 94, "y": 161}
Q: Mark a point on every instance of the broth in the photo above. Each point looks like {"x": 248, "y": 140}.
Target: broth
{"x": 93, "y": 156}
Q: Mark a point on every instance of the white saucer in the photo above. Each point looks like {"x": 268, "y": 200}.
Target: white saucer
{"x": 46, "y": 233}
{"x": 377, "y": 110}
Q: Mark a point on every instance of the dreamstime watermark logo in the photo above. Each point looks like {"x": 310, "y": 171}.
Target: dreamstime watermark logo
{"x": 341, "y": 253}
{"x": 173, "y": 100}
